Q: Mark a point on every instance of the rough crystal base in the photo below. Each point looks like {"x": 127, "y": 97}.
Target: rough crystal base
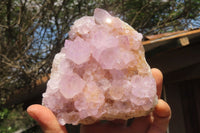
{"x": 101, "y": 73}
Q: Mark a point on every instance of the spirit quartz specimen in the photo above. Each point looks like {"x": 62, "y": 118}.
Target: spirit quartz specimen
{"x": 101, "y": 73}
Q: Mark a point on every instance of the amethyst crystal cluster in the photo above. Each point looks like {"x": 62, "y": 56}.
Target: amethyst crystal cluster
{"x": 101, "y": 73}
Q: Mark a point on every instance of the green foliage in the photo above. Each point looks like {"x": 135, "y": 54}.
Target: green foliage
{"x": 3, "y": 114}
{"x": 13, "y": 119}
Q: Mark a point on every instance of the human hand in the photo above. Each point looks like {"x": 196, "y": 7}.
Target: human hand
{"x": 156, "y": 122}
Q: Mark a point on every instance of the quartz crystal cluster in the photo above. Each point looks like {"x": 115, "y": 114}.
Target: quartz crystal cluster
{"x": 100, "y": 73}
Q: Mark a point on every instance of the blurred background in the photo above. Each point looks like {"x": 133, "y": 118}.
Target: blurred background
{"x": 33, "y": 31}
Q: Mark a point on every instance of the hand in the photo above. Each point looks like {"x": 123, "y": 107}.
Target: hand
{"x": 156, "y": 122}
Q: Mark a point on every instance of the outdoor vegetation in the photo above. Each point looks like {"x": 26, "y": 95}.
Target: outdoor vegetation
{"x": 33, "y": 31}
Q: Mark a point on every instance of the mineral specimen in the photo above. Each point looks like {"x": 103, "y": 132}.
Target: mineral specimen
{"x": 101, "y": 73}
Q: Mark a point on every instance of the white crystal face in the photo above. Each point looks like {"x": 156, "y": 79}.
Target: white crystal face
{"x": 101, "y": 73}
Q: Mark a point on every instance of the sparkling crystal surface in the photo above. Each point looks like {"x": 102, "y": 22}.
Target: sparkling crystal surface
{"x": 101, "y": 73}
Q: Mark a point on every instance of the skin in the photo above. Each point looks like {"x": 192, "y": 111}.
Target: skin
{"x": 156, "y": 122}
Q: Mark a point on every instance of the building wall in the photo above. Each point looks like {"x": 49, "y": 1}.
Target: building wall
{"x": 184, "y": 100}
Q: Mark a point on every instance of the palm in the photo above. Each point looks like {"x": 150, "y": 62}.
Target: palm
{"x": 156, "y": 122}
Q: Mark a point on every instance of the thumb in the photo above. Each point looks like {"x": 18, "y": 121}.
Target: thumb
{"x": 46, "y": 119}
{"x": 161, "y": 117}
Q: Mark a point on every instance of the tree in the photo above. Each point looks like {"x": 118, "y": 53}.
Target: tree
{"x": 33, "y": 31}
{"x": 155, "y": 16}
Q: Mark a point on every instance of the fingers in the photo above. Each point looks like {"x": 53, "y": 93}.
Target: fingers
{"x": 157, "y": 74}
{"x": 46, "y": 119}
{"x": 103, "y": 128}
{"x": 161, "y": 115}
{"x": 140, "y": 124}
{"x": 119, "y": 122}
